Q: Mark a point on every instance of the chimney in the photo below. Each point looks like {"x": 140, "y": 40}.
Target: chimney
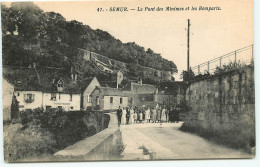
{"x": 75, "y": 78}
{"x": 141, "y": 81}
{"x": 34, "y": 65}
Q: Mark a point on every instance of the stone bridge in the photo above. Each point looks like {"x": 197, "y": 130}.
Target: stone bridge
{"x": 144, "y": 142}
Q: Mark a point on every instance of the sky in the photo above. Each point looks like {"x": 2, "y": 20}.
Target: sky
{"x": 212, "y": 33}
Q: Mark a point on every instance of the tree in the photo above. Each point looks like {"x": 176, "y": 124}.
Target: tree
{"x": 14, "y": 108}
{"x": 27, "y": 18}
{"x": 186, "y": 76}
{"x": 149, "y": 51}
{"x": 8, "y": 20}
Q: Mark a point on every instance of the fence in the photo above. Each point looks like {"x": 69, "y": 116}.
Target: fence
{"x": 244, "y": 55}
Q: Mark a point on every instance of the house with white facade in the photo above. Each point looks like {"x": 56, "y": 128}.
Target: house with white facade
{"x": 106, "y": 98}
{"x": 87, "y": 86}
{"x": 43, "y": 88}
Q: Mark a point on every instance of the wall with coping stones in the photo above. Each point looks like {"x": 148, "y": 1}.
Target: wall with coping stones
{"x": 224, "y": 102}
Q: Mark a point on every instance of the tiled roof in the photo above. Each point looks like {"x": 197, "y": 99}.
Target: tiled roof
{"x": 83, "y": 84}
{"x": 110, "y": 91}
{"x": 111, "y": 84}
{"x": 47, "y": 75}
{"x": 22, "y": 78}
{"x": 39, "y": 79}
{"x": 142, "y": 88}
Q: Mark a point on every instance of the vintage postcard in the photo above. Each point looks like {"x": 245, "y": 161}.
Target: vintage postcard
{"x": 128, "y": 80}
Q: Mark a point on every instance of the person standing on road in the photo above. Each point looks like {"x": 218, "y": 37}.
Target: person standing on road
{"x": 167, "y": 114}
{"x": 127, "y": 115}
{"x": 163, "y": 116}
{"x": 123, "y": 121}
{"x": 147, "y": 115}
{"x": 131, "y": 118}
{"x": 135, "y": 116}
{"x": 119, "y": 115}
{"x": 140, "y": 116}
{"x": 153, "y": 115}
{"x": 158, "y": 114}
{"x": 143, "y": 111}
{"x": 171, "y": 115}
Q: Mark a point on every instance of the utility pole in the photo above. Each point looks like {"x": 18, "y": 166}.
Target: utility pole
{"x": 188, "y": 48}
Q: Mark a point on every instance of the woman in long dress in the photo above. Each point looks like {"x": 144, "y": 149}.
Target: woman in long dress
{"x": 123, "y": 119}
{"x": 158, "y": 114}
{"x": 167, "y": 114}
{"x": 140, "y": 116}
{"x": 153, "y": 111}
{"x": 147, "y": 115}
{"x": 135, "y": 116}
{"x": 163, "y": 116}
{"x": 131, "y": 119}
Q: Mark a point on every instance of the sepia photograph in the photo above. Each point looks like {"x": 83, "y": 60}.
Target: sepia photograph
{"x": 128, "y": 80}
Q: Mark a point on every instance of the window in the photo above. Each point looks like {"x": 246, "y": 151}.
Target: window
{"x": 97, "y": 100}
{"x": 28, "y": 98}
{"x": 71, "y": 108}
{"x": 121, "y": 100}
{"x": 88, "y": 99}
{"x": 60, "y": 108}
{"x": 60, "y": 84}
{"x": 131, "y": 100}
{"x": 18, "y": 94}
{"x": 59, "y": 96}
{"x": 53, "y": 96}
{"x": 111, "y": 99}
{"x": 70, "y": 97}
{"x": 48, "y": 108}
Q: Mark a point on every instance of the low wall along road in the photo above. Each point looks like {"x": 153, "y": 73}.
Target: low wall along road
{"x": 104, "y": 145}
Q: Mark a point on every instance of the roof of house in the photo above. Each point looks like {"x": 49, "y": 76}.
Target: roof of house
{"x": 39, "y": 79}
{"x": 85, "y": 83}
{"x": 22, "y": 78}
{"x": 107, "y": 91}
{"x": 101, "y": 62}
{"x": 142, "y": 88}
{"x": 171, "y": 87}
{"x": 47, "y": 75}
{"x": 111, "y": 84}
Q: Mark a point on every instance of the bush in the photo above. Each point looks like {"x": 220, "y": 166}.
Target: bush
{"x": 41, "y": 132}
{"x": 32, "y": 141}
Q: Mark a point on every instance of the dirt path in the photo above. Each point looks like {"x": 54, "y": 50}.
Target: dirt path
{"x": 165, "y": 141}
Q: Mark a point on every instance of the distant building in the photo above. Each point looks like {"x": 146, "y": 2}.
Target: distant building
{"x": 103, "y": 66}
{"x": 115, "y": 81}
{"x": 170, "y": 93}
{"x": 87, "y": 86}
{"x": 141, "y": 94}
{"x": 8, "y": 91}
{"x": 43, "y": 87}
{"x": 105, "y": 98}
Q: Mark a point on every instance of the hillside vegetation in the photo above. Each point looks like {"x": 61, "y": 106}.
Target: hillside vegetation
{"x": 31, "y": 35}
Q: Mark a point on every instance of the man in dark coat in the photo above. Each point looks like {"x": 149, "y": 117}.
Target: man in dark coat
{"x": 119, "y": 115}
{"x": 171, "y": 114}
{"x": 127, "y": 115}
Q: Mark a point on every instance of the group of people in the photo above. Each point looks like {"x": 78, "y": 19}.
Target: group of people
{"x": 159, "y": 114}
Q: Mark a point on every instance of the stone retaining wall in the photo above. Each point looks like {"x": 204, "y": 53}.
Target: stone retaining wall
{"x": 223, "y": 103}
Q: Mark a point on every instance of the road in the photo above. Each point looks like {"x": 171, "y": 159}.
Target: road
{"x": 165, "y": 141}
